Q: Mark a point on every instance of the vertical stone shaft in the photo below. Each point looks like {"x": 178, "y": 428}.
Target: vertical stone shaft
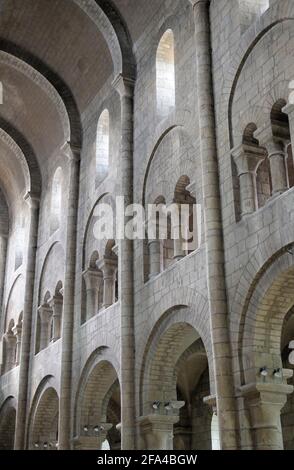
{"x": 213, "y": 230}
{"x": 20, "y": 428}
{"x": 3, "y": 251}
{"x": 125, "y": 87}
{"x": 68, "y": 303}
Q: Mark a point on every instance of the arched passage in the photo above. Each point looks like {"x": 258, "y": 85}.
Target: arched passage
{"x": 7, "y": 424}
{"x": 267, "y": 393}
{"x": 98, "y": 412}
{"x": 174, "y": 383}
{"x": 44, "y": 425}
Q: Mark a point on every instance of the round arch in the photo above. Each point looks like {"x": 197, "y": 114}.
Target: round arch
{"x": 97, "y": 406}
{"x": 45, "y": 405}
{"x": 7, "y": 424}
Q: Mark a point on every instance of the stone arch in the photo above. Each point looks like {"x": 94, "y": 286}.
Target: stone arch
{"x": 18, "y": 52}
{"x": 17, "y": 286}
{"x": 58, "y": 255}
{"x": 109, "y": 22}
{"x": 264, "y": 314}
{"x": 175, "y": 314}
{"x": 23, "y": 150}
{"x": 282, "y": 12}
{"x": 99, "y": 378}
{"x": 27, "y": 70}
{"x": 105, "y": 197}
{"x": 182, "y": 159}
{"x": 259, "y": 264}
{"x": 42, "y": 423}
{"x": 175, "y": 377}
{"x": 7, "y": 423}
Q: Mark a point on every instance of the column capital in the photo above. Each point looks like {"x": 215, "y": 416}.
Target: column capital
{"x": 107, "y": 265}
{"x": 91, "y": 277}
{"x": 196, "y": 2}
{"x": 247, "y": 157}
{"x": 211, "y": 402}
{"x": 17, "y": 330}
{"x": 45, "y": 312}
{"x": 273, "y": 142}
{"x": 272, "y": 392}
{"x": 55, "y": 303}
{"x": 9, "y": 337}
{"x": 71, "y": 151}
{"x": 32, "y": 199}
{"x": 124, "y": 86}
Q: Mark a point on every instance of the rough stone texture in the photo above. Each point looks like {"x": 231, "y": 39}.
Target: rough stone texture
{"x": 195, "y": 336}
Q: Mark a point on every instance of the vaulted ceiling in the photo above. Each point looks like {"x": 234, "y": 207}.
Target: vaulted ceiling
{"x": 60, "y": 40}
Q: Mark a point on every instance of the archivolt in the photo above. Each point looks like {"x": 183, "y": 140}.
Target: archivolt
{"x": 42, "y": 82}
{"x": 12, "y": 145}
{"x": 108, "y": 21}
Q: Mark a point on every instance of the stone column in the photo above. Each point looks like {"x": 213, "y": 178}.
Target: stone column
{"x": 73, "y": 154}
{"x": 17, "y": 330}
{"x": 247, "y": 158}
{"x": 45, "y": 314}
{"x": 56, "y": 304}
{"x": 289, "y": 110}
{"x": 157, "y": 431}
{"x": 265, "y": 401}
{"x": 3, "y": 251}
{"x": 213, "y": 230}
{"x": 179, "y": 248}
{"x": 108, "y": 267}
{"x": 154, "y": 249}
{"x": 277, "y": 157}
{"x": 125, "y": 88}
{"x": 20, "y": 428}
{"x": 93, "y": 281}
{"x": 10, "y": 343}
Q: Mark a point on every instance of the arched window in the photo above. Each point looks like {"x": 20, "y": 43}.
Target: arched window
{"x": 102, "y": 147}
{"x": 165, "y": 74}
{"x": 56, "y": 200}
{"x": 19, "y": 244}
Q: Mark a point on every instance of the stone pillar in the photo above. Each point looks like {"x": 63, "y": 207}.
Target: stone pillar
{"x": 125, "y": 88}
{"x": 45, "y": 314}
{"x": 10, "y": 348}
{"x": 17, "y": 330}
{"x": 20, "y": 428}
{"x": 247, "y": 158}
{"x": 93, "y": 281}
{"x": 56, "y": 304}
{"x": 3, "y": 251}
{"x": 157, "y": 431}
{"x": 289, "y": 110}
{"x": 73, "y": 154}
{"x": 108, "y": 267}
{"x": 213, "y": 230}
{"x": 277, "y": 157}
{"x": 179, "y": 248}
{"x": 154, "y": 249}
{"x": 265, "y": 401}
